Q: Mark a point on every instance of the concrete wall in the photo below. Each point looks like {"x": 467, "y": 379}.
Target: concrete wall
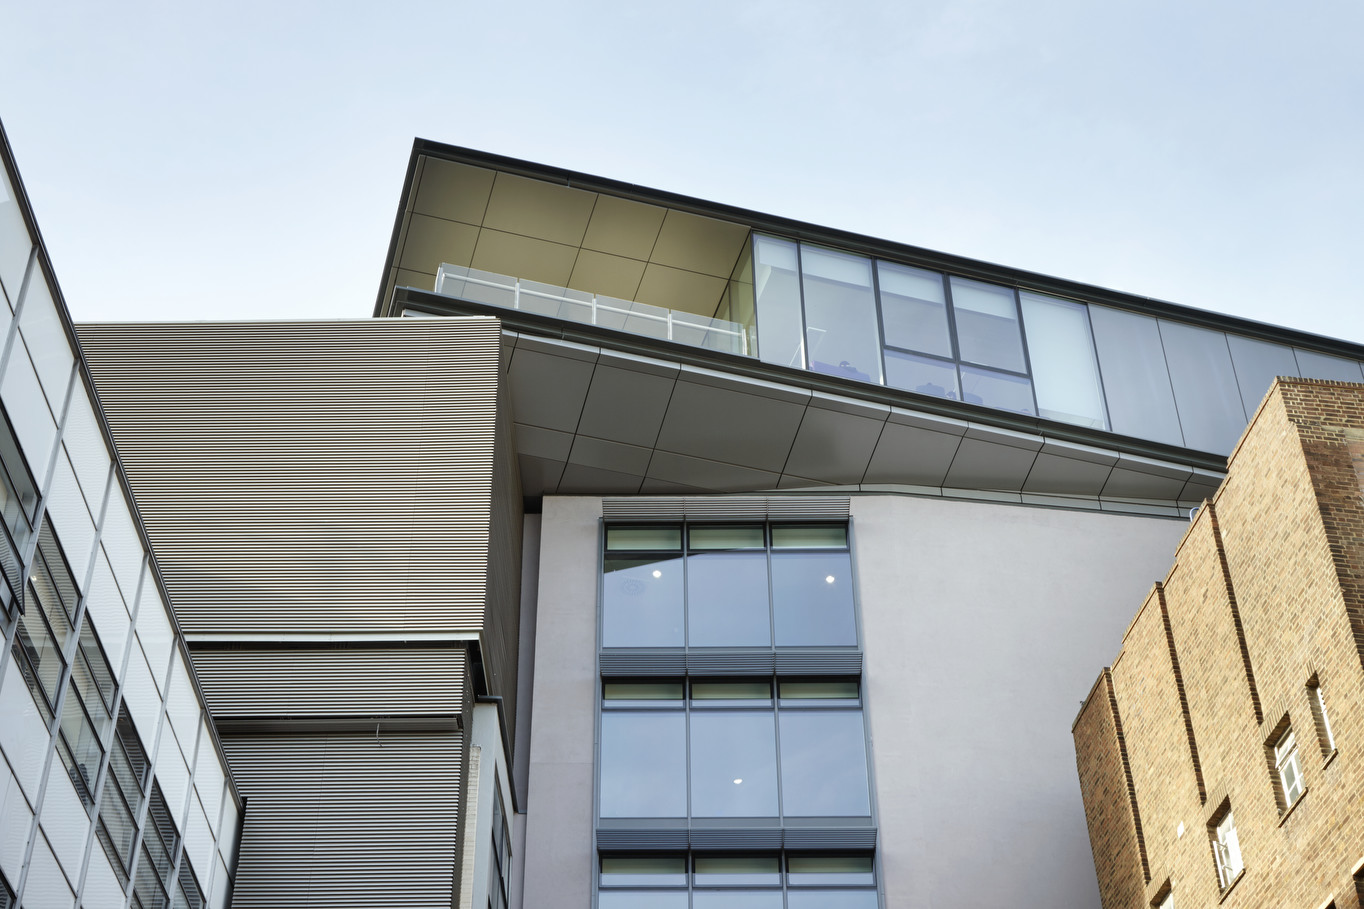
{"x": 982, "y": 625}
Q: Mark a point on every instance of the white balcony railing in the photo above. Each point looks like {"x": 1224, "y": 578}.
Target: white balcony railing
{"x": 591, "y": 309}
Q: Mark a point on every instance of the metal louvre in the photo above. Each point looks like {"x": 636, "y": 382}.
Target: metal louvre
{"x": 819, "y": 662}
{"x": 300, "y": 682}
{"x": 310, "y": 477}
{"x": 625, "y": 662}
{"x": 730, "y": 662}
{"x": 736, "y": 661}
{"x": 754, "y": 508}
{"x": 621, "y": 839}
{"x": 347, "y": 820}
{"x": 830, "y": 838}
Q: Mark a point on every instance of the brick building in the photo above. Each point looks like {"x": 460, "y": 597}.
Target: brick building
{"x": 1219, "y": 755}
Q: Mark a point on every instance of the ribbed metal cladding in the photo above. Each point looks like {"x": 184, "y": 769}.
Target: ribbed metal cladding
{"x": 347, "y": 820}
{"x": 502, "y": 625}
{"x": 661, "y": 662}
{"x": 830, "y": 838}
{"x": 671, "y": 662}
{"x": 310, "y": 477}
{"x": 736, "y": 838}
{"x": 618, "y": 840}
{"x": 819, "y": 662}
{"x": 755, "y": 508}
{"x": 297, "y": 682}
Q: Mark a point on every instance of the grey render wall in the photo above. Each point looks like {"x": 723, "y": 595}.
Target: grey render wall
{"x": 981, "y": 625}
{"x": 557, "y": 861}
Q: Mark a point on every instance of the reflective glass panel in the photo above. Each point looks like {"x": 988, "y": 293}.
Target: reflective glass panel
{"x": 642, "y": 691}
{"x": 914, "y": 309}
{"x": 812, "y": 599}
{"x": 751, "y": 869}
{"x": 818, "y": 690}
{"x": 649, "y": 871}
{"x": 642, "y": 899}
{"x": 922, "y": 374}
{"x": 1206, "y": 393}
{"x": 1136, "y": 382}
{"x": 1315, "y": 365}
{"x": 829, "y": 869}
{"x": 841, "y": 332}
{"x": 727, "y": 600}
{"x": 996, "y": 389}
{"x": 824, "y": 764}
{"x": 831, "y": 899}
{"x": 809, "y": 536}
{"x": 47, "y": 343}
{"x": 731, "y": 691}
{"x": 28, "y": 411}
{"x": 725, "y": 536}
{"x": 1065, "y": 373}
{"x": 641, "y": 602}
{"x": 776, "y": 276}
{"x": 736, "y": 899}
{"x": 643, "y": 539}
{"x": 1258, "y": 364}
{"x": 14, "y": 241}
{"x": 643, "y": 770}
{"x": 733, "y": 764}
{"x": 987, "y": 324}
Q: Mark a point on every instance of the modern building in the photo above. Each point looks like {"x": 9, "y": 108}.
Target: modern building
{"x": 1216, "y": 755}
{"x": 114, "y": 788}
{"x": 649, "y": 552}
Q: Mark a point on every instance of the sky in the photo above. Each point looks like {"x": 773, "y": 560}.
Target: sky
{"x": 244, "y": 160}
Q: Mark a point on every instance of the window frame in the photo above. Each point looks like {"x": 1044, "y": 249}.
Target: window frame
{"x": 1288, "y": 767}
{"x": 1226, "y": 849}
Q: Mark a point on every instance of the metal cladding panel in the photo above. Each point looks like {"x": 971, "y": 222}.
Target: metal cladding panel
{"x": 332, "y": 682}
{"x": 347, "y": 820}
{"x": 310, "y": 477}
{"x": 754, "y": 508}
{"x": 502, "y": 623}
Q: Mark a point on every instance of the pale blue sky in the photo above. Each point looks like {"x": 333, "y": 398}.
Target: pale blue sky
{"x": 244, "y": 160}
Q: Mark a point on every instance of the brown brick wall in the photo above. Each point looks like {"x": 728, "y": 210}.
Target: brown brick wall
{"x": 1266, "y": 592}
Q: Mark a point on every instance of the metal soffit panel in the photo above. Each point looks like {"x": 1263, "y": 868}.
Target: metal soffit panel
{"x": 595, "y": 421}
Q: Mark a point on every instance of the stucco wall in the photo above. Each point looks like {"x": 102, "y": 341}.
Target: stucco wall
{"x": 982, "y": 627}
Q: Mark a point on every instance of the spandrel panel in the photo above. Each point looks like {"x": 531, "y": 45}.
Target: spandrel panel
{"x": 47, "y": 343}
{"x": 85, "y": 445}
{"x": 28, "y": 412}
{"x": 824, "y": 764}
{"x": 1065, "y": 373}
{"x": 643, "y": 768}
{"x": 642, "y": 602}
{"x": 776, "y": 275}
{"x": 15, "y": 821}
{"x": 65, "y": 821}
{"x": 123, "y": 545}
{"x": 156, "y": 636}
{"x": 727, "y": 603}
{"x": 141, "y": 696}
{"x": 173, "y": 775}
{"x": 46, "y": 888}
{"x": 812, "y": 599}
{"x": 71, "y": 519}
{"x": 106, "y": 611}
{"x": 914, "y": 309}
{"x": 1258, "y": 364}
{"x": 15, "y": 244}
{"x": 208, "y": 776}
{"x": 1206, "y": 393}
{"x": 733, "y": 764}
{"x": 841, "y": 332}
{"x": 1315, "y": 365}
{"x": 1136, "y": 382}
{"x": 987, "y": 325}
{"x": 922, "y": 374}
{"x": 182, "y": 706}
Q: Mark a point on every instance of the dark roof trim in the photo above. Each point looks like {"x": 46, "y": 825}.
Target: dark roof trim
{"x": 613, "y": 339}
{"x": 858, "y": 243}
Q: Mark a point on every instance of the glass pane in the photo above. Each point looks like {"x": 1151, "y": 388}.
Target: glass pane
{"x": 651, "y": 871}
{"x": 642, "y": 691}
{"x": 830, "y": 869}
{"x": 642, "y": 602}
{"x": 841, "y": 332}
{"x": 1324, "y": 366}
{"x": 154, "y": 631}
{"x": 642, "y": 899}
{"x": 85, "y": 444}
{"x": 14, "y": 241}
{"x": 914, "y": 309}
{"x": 1206, "y": 393}
{"x": 1136, "y": 382}
{"x": 48, "y": 346}
{"x": 733, "y": 764}
{"x": 996, "y": 389}
{"x": 987, "y": 324}
{"x": 819, "y": 690}
{"x": 810, "y": 536}
{"x": 812, "y": 599}
{"x": 727, "y": 600}
{"x": 1257, "y": 364}
{"x": 726, "y": 536}
{"x": 172, "y": 774}
{"x": 643, "y": 770}
{"x": 141, "y": 696}
{"x": 28, "y": 412}
{"x": 776, "y": 277}
{"x": 70, "y": 517}
{"x": 824, "y": 764}
{"x": 105, "y": 609}
{"x": 922, "y": 375}
{"x": 65, "y": 821}
{"x": 182, "y": 707}
{"x": 1065, "y": 373}
{"x": 123, "y": 546}
{"x": 736, "y": 899}
{"x": 831, "y": 899}
{"x": 644, "y": 539}
{"x": 754, "y": 869}
{"x": 731, "y": 691}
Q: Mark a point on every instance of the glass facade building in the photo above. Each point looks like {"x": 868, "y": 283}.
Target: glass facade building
{"x": 114, "y": 790}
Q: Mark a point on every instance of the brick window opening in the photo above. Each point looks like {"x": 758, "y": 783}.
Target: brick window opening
{"x": 1325, "y": 737}
{"x": 1287, "y": 767}
{"x": 1226, "y": 849}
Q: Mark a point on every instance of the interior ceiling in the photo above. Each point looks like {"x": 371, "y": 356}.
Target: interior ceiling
{"x": 471, "y": 216}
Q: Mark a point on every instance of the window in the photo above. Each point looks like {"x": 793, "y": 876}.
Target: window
{"x": 807, "y": 881}
{"x": 1226, "y": 850}
{"x": 1287, "y": 767}
{"x": 1166, "y": 900}
{"x": 1325, "y": 737}
{"x": 501, "y": 863}
{"x": 714, "y": 754}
